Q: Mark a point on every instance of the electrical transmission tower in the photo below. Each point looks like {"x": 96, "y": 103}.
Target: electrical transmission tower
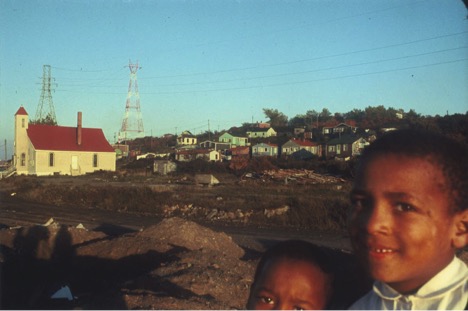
{"x": 45, "y": 112}
{"x": 132, "y": 123}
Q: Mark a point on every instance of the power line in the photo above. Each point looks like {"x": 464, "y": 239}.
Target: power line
{"x": 315, "y": 80}
{"x": 309, "y": 59}
{"x": 282, "y": 74}
{"x": 316, "y": 70}
{"x": 297, "y": 82}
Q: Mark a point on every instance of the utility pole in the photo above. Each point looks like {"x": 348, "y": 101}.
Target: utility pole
{"x": 132, "y": 123}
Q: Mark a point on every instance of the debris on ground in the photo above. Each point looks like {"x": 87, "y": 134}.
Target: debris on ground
{"x": 299, "y": 176}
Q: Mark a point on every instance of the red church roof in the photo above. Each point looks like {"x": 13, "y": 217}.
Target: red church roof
{"x": 63, "y": 138}
{"x": 21, "y": 111}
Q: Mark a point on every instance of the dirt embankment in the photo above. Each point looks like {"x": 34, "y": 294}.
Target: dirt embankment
{"x": 175, "y": 264}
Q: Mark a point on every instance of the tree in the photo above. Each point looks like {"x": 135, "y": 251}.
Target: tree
{"x": 356, "y": 115}
{"x": 325, "y": 115}
{"x": 47, "y": 120}
{"x": 299, "y": 120}
{"x": 275, "y": 117}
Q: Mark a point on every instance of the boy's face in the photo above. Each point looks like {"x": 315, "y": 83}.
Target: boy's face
{"x": 400, "y": 224}
{"x": 287, "y": 284}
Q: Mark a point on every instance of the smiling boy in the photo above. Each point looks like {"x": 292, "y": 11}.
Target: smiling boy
{"x": 409, "y": 216}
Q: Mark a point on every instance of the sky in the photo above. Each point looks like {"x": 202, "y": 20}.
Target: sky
{"x": 213, "y": 64}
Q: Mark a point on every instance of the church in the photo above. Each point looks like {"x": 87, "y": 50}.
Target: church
{"x": 42, "y": 150}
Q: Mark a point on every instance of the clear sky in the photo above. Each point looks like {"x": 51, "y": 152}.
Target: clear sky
{"x": 219, "y": 63}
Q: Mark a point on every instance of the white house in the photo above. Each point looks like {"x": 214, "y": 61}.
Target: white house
{"x": 186, "y": 155}
{"x": 235, "y": 141}
{"x": 261, "y": 132}
{"x": 186, "y": 138}
{"x": 49, "y": 149}
{"x": 264, "y": 149}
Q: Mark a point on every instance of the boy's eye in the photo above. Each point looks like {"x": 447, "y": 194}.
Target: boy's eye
{"x": 359, "y": 203}
{"x": 265, "y": 299}
{"x": 299, "y": 308}
{"x": 405, "y": 207}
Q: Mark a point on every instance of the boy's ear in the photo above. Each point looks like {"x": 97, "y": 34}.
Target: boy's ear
{"x": 460, "y": 237}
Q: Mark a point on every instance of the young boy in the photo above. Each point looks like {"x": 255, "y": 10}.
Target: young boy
{"x": 409, "y": 215}
{"x": 292, "y": 275}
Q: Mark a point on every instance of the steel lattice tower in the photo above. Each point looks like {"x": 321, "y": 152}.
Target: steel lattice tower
{"x": 132, "y": 123}
{"x": 45, "y": 110}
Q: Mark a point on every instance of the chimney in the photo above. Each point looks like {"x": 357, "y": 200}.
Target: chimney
{"x": 78, "y": 130}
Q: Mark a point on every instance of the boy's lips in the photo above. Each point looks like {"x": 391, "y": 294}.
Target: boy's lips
{"x": 379, "y": 251}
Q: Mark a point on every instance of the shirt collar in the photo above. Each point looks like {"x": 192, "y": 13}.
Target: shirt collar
{"x": 453, "y": 275}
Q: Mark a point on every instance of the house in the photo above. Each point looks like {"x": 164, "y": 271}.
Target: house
{"x": 261, "y": 132}
{"x": 264, "y": 149}
{"x": 122, "y": 150}
{"x": 49, "y": 149}
{"x": 340, "y": 128}
{"x": 294, "y": 145}
{"x": 186, "y": 155}
{"x": 235, "y": 141}
{"x": 186, "y": 138}
{"x": 209, "y": 144}
{"x": 345, "y": 146}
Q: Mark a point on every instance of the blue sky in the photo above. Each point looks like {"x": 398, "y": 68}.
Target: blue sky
{"x": 219, "y": 63}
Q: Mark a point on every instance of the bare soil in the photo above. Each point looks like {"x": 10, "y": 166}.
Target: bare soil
{"x": 110, "y": 257}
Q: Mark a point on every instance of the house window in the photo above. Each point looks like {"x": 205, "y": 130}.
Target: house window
{"x": 345, "y": 147}
{"x": 331, "y": 148}
{"x": 23, "y": 122}
{"x": 23, "y": 159}
{"x": 266, "y": 149}
{"x": 95, "y": 160}
{"x": 51, "y": 159}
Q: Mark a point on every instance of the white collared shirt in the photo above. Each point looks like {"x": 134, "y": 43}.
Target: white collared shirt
{"x": 447, "y": 290}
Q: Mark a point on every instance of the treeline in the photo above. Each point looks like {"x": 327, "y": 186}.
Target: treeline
{"x": 375, "y": 118}
{"x": 371, "y": 118}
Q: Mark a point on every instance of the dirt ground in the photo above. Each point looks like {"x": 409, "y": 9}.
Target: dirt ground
{"x": 176, "y": 264}
{"x": 103, "y": 259}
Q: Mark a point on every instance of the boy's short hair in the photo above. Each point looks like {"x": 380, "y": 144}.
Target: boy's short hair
{"x": 297, "y": 250}
{"x": 448, "y": 154}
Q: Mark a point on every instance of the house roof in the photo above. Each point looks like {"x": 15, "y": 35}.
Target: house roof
{"x": 302, "y": 155}
{"x": 63, "y": 138}
{"x": 21, "y": 111}
{"x": 334, "y": 123}
{"x": 260, "y": 129}
{"x": 344, "y": 139}
{"x": 195, "y": 151}
{"x": 304, "y": 143}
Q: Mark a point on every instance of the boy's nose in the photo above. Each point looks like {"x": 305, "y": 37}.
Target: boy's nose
{"x": 377, "y": 220}
{"x": 282, "y": 306}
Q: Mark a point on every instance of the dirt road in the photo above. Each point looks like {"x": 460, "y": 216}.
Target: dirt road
{"x": 15, "y": 212}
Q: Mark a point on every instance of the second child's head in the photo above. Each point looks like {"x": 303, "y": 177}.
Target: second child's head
{"x": 292, "y": 275}
{"x": 409, "y": 211}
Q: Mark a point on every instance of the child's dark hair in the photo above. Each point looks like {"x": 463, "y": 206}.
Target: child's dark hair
{"x": 449, "y": 155}
{"x": 298, "y": 250}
